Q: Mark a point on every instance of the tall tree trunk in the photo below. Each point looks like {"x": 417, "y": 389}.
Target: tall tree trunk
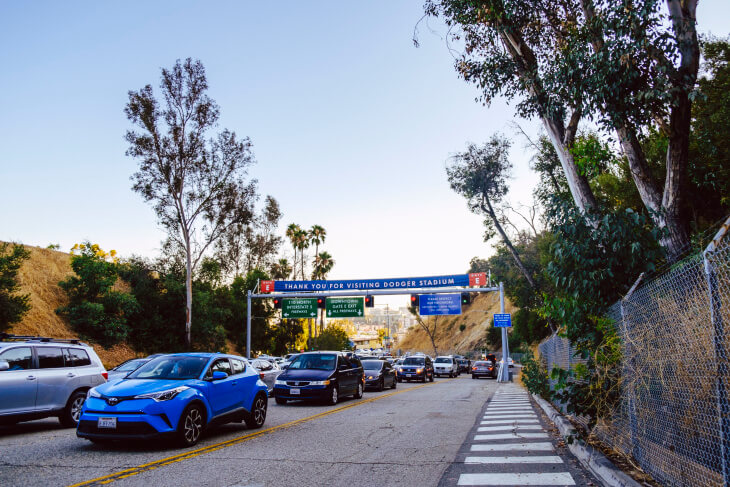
{"x": 527, "y": 67}
{"x": 577, "y": 183}
{"x": 188, "y": 293}
{"x": 490, "y": 211}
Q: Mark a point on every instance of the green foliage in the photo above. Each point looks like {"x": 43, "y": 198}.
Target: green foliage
{"x": 285, "y": 335}
{"x": 534, "y": 375}
{"x": 95, "y": 311}
{"x": 333, "y": 338}
{"x": 592, "y": 155}
{"x": 12, "y": 305}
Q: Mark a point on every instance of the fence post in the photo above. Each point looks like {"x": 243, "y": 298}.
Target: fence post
{"x": 721, "y": 357}
{"x": 631, "y": 368}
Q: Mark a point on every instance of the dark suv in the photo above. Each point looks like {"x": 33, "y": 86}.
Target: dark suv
{"x": 324, "y": 376}
{"x": 418, "y": 367}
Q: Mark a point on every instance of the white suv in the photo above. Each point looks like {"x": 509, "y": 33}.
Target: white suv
{"x": 42, "y": 377}
{"x": 445, "y": 365}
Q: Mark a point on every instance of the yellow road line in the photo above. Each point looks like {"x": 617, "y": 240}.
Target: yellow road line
{"x": 122, "y": 474}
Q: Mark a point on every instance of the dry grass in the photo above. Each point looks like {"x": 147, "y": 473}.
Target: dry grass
{"x": 449, "y": 339}
{"x": 39, "y": 276}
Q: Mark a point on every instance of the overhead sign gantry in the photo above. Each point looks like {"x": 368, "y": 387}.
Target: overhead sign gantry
{"x": 343, "y": 298}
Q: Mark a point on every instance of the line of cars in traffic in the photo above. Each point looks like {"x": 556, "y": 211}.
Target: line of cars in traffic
{"x": 180, "y": 395}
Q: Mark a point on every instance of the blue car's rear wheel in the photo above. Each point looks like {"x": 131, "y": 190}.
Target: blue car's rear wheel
{"x": 256, "y": 418}
{"x": 190, "y": 427}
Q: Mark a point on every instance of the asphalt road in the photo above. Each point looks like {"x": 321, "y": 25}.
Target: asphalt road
{"x": 409, "y": 437}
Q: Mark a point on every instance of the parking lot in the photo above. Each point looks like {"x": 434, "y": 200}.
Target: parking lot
{"x": 408, "y": 435}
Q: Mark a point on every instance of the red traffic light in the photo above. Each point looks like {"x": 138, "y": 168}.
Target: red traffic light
{"x": 321, "y": 303}
{"x": 414, "y": 300}
{"x": 369, "y": 302}
{"x": 277, "y": 303}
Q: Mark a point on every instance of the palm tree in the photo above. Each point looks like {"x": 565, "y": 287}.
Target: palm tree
{"x": 301, "y": 242}
{"x": 323, "y": 263}
{"x": 281, "y": 269}
{"x": 291, "y": 232}
{"x": 317, "y": 235}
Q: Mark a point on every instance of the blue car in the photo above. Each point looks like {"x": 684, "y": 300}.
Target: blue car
{"x": 179, "y": 396}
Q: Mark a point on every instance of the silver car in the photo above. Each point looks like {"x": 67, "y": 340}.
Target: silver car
{"x": 268, "y": 371}
{"x": 42, "y": 377}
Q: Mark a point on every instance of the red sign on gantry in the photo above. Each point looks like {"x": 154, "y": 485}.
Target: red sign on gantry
{"x": 478, "y": 279}
{"x": 267, "y": 286}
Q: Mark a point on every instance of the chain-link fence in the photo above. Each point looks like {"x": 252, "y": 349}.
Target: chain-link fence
{"x": 673, "y": 416}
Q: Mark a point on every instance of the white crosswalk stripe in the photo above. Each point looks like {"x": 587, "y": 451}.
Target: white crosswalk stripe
{"x": 559, "y": 478}
{"x": 510, "y": 433}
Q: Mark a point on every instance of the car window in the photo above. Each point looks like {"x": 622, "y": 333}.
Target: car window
{"x": 80, "y": 358}
{"x": 20, "y": 358}
{"x": 413, "y": 361}
{"x": 443, "y": 360}
{"x": 50, "y": 357}
{"x": 238, "y": 366}
{"x": 172, "y": 368}
{"x": 372, "y": 364}
{"x": 221, "y": 365}
{"x": 316, "y": 361}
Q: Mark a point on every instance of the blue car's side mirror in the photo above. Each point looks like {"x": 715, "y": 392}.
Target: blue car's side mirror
{"x": 218, "y": 375}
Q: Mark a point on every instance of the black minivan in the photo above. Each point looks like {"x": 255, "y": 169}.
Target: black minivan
{"x": 323, "y": 376}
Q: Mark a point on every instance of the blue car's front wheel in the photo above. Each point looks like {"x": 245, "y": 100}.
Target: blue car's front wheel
{"x": 191, "y": 424}
{"x": 256, "y": 418}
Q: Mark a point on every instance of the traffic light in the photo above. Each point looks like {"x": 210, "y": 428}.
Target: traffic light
{"x": 277, "y": 303}
{"x": 465, "y": 298}
{"x": 369, "y": 302}
{"x": 321, "y": 303}
{"x": 414, "y": 300}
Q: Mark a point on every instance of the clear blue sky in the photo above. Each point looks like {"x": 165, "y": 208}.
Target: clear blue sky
{"x": 351, "y": 124}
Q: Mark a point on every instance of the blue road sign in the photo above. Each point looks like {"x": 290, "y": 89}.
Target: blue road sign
{"x": 502, "y": 320}
{"x": 439, "y": 304}
{"x": 462, "y": 280}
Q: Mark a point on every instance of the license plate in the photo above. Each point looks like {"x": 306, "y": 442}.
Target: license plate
{"x": 408, "y": 375}
{"x": 110, "y": 423}
{"x": 295, "y": 392}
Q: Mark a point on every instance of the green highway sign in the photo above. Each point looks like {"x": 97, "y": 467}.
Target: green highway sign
{"x": 345, "y": 307}
{"x": 299, "y": 307}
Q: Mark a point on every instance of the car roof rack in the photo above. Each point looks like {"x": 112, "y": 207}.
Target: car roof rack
{"x": 6, "y": 337}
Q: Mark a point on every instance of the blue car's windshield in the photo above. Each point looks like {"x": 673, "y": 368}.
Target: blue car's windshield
{"x": 175, "y": 368}
{"x": 129, "y": 365}
{"x": 319, "y": 361}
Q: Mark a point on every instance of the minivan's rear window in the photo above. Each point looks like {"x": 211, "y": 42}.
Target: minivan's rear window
{"x": 443, "y": 360}
{"x": 79, "y": 357}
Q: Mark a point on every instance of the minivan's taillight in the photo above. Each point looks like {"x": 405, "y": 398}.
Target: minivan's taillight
{"x": 105, "y": 375}
{"x": 261, "y": 375}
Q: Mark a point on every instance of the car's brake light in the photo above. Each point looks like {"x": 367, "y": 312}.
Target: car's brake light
{"x": 261, "y": 375}
{"x": 105, "y": 375}
{"x": 473, "y": 368}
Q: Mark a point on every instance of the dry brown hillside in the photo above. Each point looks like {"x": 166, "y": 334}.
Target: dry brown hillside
{"x": 39, "y": 277}
{"x": 449, "y": 339}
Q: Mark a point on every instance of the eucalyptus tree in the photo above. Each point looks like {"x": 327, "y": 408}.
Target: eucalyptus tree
{"x": 501, "y": 57}
{"x": 197, "y": 183}
{"x": 480, "y": 175}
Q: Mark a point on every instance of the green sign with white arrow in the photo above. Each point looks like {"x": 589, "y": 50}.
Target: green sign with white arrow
{"x": 299, "y": 307}
{"x": 345, "y": 307}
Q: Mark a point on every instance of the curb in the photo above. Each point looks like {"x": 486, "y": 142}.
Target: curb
{"x": 600, "y": 466}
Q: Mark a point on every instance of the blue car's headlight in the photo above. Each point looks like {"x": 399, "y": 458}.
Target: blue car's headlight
{"x": 163, "y": 395}
{"x": 278, "y": 382}
{"x": 319, "y": 383}
{"x": 92, "y": 393}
